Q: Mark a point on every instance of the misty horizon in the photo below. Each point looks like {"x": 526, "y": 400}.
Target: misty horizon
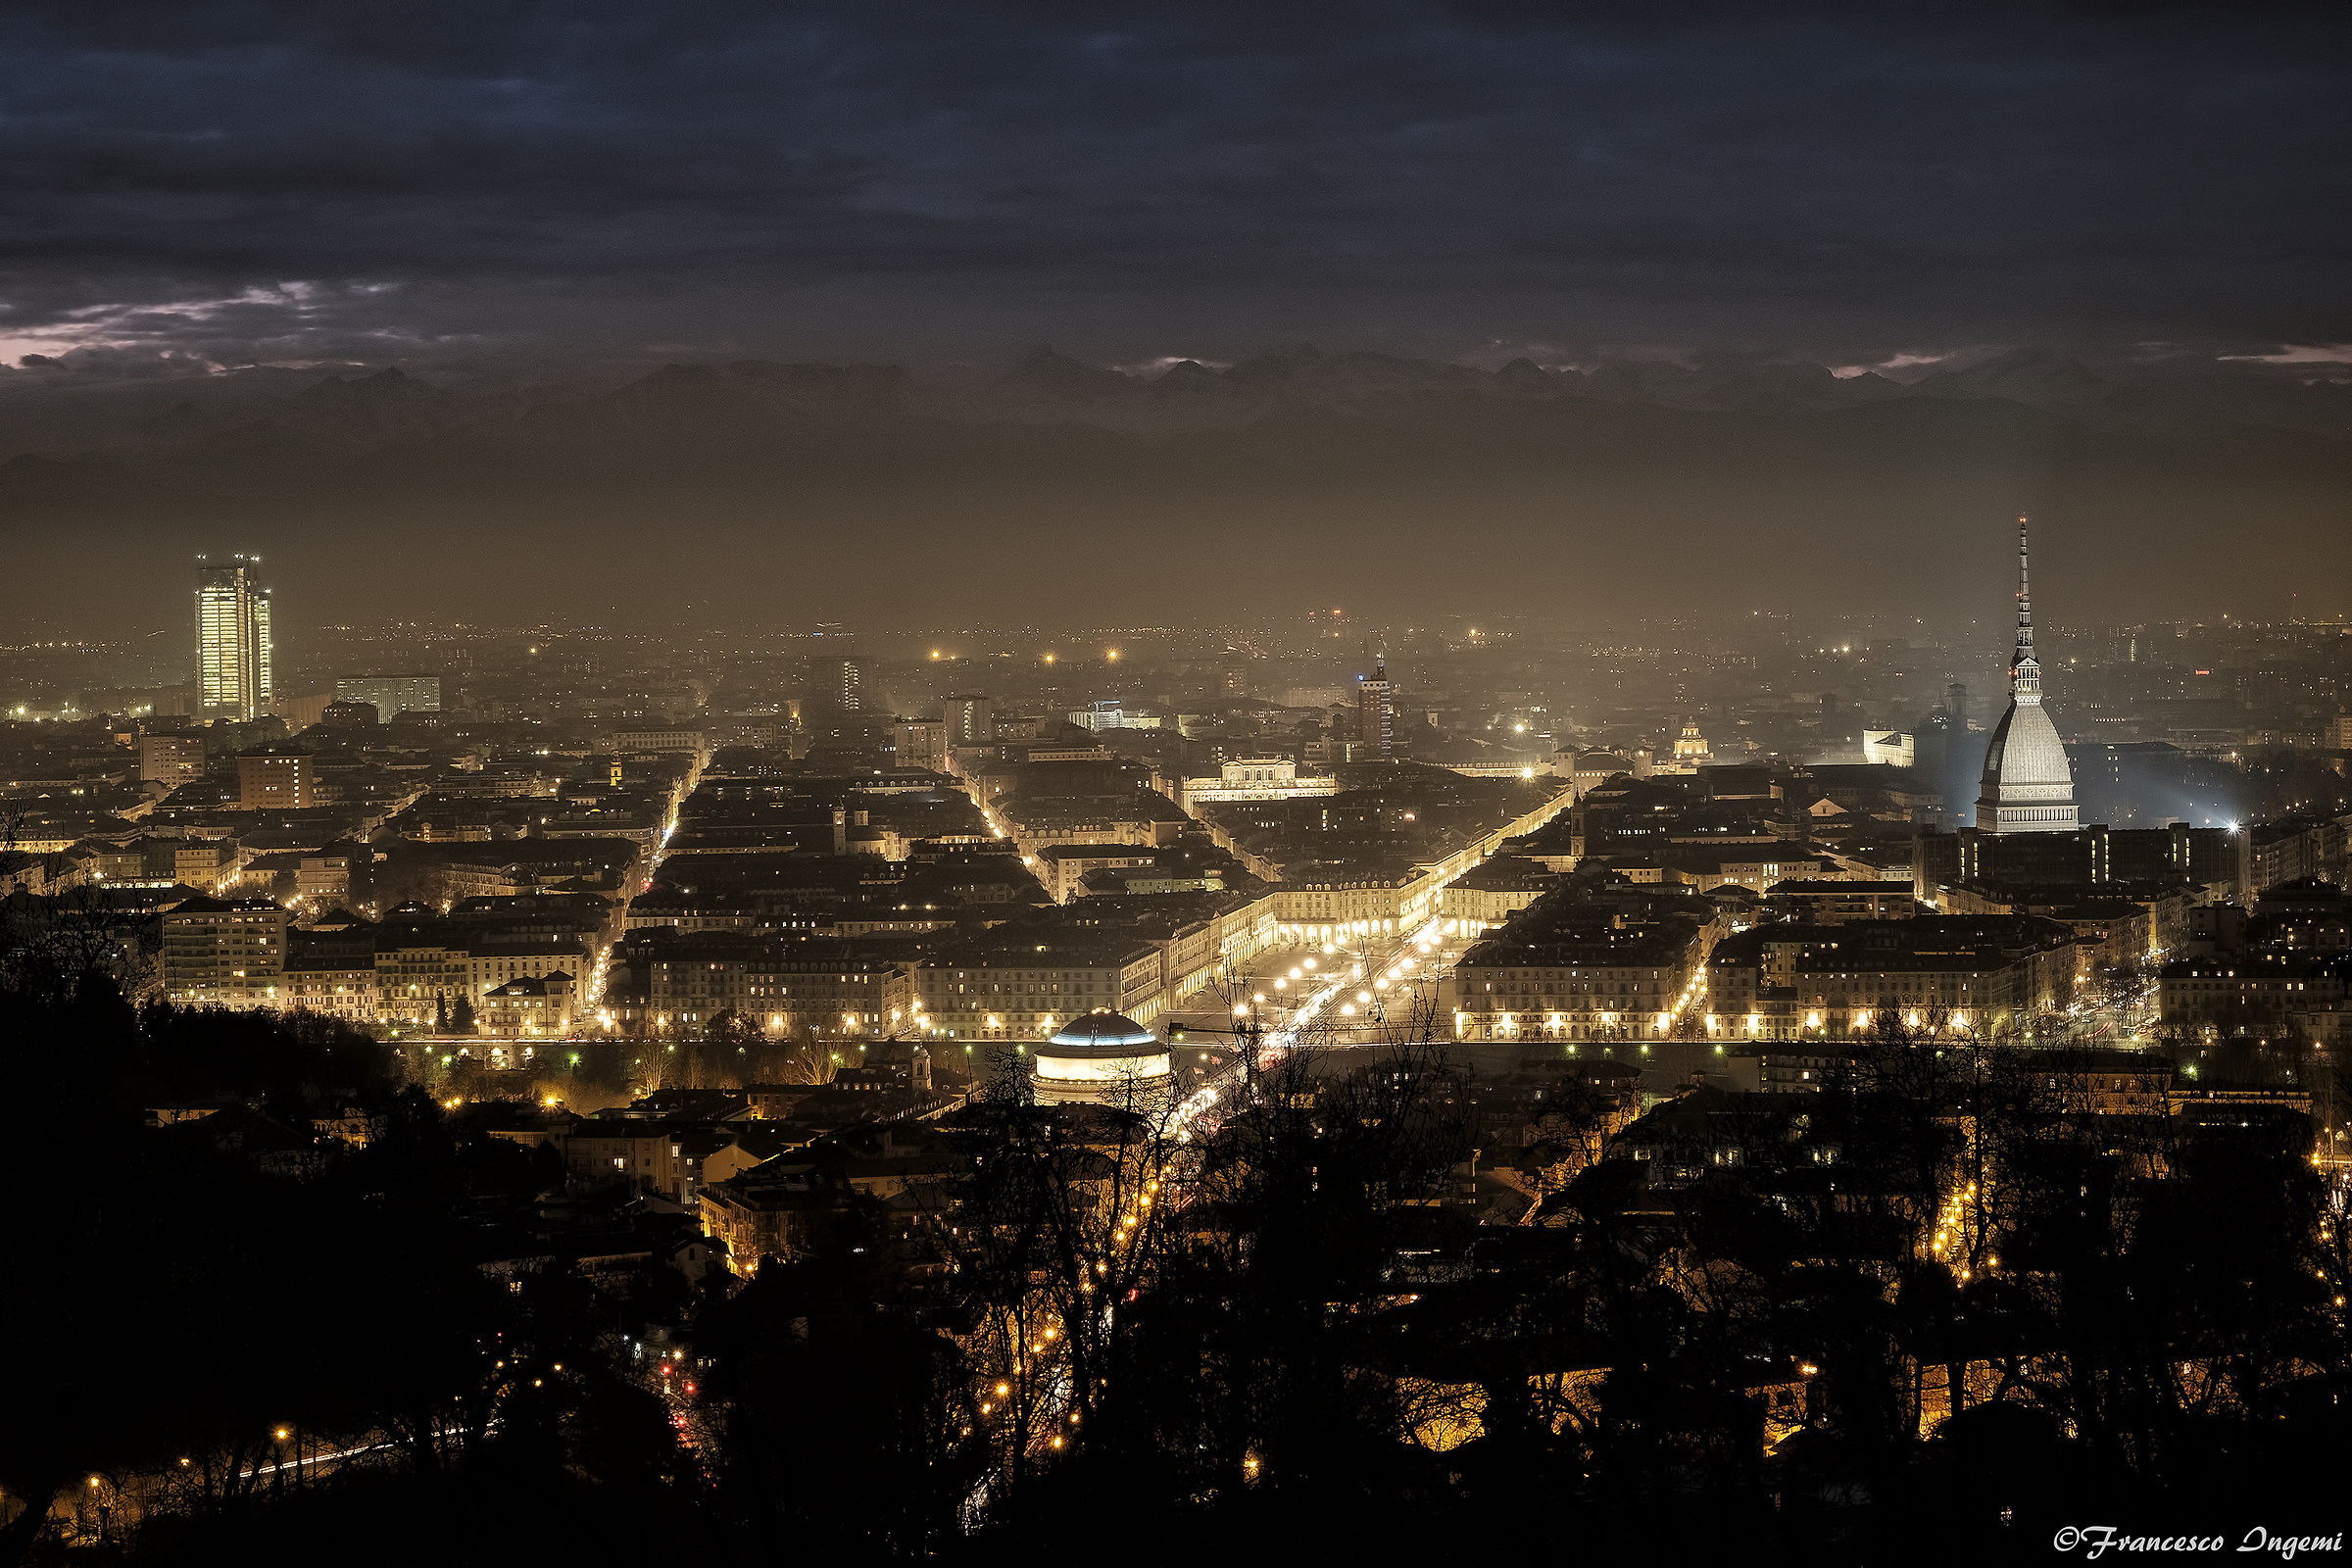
{"x": 1292, "y": 477}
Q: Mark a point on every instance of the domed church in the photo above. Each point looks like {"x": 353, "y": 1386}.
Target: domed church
{"x": 2028, "y": 787}
{"x": 1102, "y": 1058}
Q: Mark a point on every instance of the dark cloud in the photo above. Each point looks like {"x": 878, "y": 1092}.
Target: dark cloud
{"x": 261, "y": 183}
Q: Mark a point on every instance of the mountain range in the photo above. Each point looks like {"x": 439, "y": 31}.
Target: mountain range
{"x": 305, "y": 419}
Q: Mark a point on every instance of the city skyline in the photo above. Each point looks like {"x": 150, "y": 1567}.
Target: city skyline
{"x": 1907, "y": 689}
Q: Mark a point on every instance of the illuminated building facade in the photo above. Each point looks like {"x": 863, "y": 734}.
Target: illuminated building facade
{"x": 224, "y": 953}
{"x": 336, "y": 983}
{"x": 1964, "y": 975}
{"x": 1000, "y": 987}
{"x": 844, "y": 684}
{"x": 784, "y": 988}
{"x": 232, "y": 630}
{"x": 1111, "y": 714}
{"x": 1890, "y": 747}
{"x": 529, "y": 1005}
{"x": 1257, "y": 778}
{"x": 1609, "y": 986}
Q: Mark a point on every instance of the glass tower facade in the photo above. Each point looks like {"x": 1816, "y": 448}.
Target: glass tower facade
{"x": 232, "y": 630}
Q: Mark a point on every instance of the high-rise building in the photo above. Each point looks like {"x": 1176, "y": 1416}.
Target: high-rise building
{"x": 844, "y": 684}
{"x": 2028, "y": 787}
{"x": 389, "y": 695}
{"x": 971, "y": 720}
{"x": 1376, "y": 705}
{"x": 232, "y": 630}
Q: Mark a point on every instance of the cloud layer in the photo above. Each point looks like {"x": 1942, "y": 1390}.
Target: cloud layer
{"x": 240, "y": 182}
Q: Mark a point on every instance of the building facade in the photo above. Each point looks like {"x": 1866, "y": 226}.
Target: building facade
{"x": 971, "y": 720}
{"x": 225, "y": 953}
{"x": 1959, "y": 974}
{"x": 1256, "y": 778}
{"x": 1010, "y": 990}
{"x": 1611, "y": 985}
{"x": 275, "y": 778}
{"x": 171, "y": 760}
{"x": 923, "y": 743}
{"x": 389, "y": 695}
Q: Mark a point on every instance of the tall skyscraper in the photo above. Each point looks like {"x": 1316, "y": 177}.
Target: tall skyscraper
{"x": 1376, "y": 705}
{"x": 232, "y": 630}
{"x": 2028, "y": 787}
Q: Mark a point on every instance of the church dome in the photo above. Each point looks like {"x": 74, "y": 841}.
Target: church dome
{"x": 1100, "y": 1034}
{"x": 1101, "y": 1056}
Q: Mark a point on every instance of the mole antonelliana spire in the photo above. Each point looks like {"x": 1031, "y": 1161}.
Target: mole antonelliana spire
{"x": 2024, "y": 673}
{"x": 2028, "y": 785}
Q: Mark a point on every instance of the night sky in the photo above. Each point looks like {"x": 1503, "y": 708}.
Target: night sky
{"x": 577, "y": 194}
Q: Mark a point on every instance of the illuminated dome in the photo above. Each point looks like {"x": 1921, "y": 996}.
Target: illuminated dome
{"x": 1100, "y": 1059}
{"x": 2028, "y": 786}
